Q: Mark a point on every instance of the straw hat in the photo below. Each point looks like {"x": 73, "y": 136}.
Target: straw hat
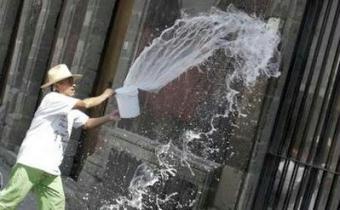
{"x": 58, "y": 73}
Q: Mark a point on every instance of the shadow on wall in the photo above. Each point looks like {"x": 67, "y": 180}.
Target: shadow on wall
{"x": 2, "y": 116}
{"x": 1, "y": 181}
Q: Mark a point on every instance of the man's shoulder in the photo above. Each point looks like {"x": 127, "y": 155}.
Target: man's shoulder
{"x": 51, "y": 95}
{"x": 58, "y": 96}
{"x": 53, "y": 99}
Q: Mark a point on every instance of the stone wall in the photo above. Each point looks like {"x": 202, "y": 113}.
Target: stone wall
{"x": 41, "y": 33}
{"x": 9, "y": 11}
{"x": 238, "y": 177}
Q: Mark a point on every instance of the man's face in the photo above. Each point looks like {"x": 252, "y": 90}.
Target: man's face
{"x": 66, "y": 87}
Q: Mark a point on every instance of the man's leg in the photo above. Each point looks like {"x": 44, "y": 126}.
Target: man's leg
{"x": 50, "y": 193}
{"x": 21, "y": 181}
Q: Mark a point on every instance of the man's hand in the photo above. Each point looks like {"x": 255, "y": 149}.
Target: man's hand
{"x": 108, "y": 92}
{"x": 98, "y": 121}
{"x": 114, "y": 116}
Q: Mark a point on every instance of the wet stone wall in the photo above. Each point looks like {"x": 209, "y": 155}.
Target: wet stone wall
{"x": 116, "y": 182}
{"x": 186, "y": 104}
{"x": 134, "y": 155}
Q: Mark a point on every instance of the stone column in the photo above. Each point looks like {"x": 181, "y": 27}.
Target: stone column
{"x": 9, "y": 18}
{"x": 91, "y": 42}
{"x": 27, "y": 68}
{"x": 70, "y": 26}
{"x": 9, "y": 10}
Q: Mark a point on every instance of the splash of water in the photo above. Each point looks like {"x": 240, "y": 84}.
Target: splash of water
{"x": 144, "y": 178}
{"x": 192, "y": 40}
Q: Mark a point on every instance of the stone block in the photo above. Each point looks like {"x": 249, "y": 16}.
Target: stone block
{"x": 228, "y": 189}
{"x": 86, "y": 180}
{"x": 75, "y": 198}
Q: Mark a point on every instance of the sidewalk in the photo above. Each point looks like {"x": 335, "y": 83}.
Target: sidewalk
{"x": 30, "y": 202}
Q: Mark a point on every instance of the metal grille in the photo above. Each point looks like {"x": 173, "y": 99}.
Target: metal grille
{"x": 302, "y": 167}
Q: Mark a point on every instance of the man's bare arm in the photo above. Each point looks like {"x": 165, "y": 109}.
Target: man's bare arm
{"x": 94, "y": 101}
{"x": 98, "y": 121}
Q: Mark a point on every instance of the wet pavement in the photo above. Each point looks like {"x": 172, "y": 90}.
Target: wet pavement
{"x": 30, "y": 202}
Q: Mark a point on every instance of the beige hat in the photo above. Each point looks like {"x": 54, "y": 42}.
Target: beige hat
{"x": 58, "y": 73}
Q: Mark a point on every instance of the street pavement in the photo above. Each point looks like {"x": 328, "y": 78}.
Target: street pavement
{"x": 30, "y": 201}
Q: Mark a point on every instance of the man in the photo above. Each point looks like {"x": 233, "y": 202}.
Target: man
{"x": 41, "y": 152}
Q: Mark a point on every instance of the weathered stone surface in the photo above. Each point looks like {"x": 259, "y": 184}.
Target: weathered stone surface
{"x": 71, "y": 22}
{"x": 75, "y": 32}
{"x": 30, "y": 57}
{"x": 229, "y": 183}
{"x": 9, "y": 10}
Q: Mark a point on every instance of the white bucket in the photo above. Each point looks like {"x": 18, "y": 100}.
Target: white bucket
{"x": 127, "y": 100}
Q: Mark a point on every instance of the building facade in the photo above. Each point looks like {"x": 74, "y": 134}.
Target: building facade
{"x": 283, "y": 154}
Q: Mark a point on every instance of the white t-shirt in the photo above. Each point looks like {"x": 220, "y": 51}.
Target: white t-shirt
{"x": 46, "y": 140}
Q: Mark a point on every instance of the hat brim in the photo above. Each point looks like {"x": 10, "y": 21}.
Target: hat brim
{"x": 75, "y": 76}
